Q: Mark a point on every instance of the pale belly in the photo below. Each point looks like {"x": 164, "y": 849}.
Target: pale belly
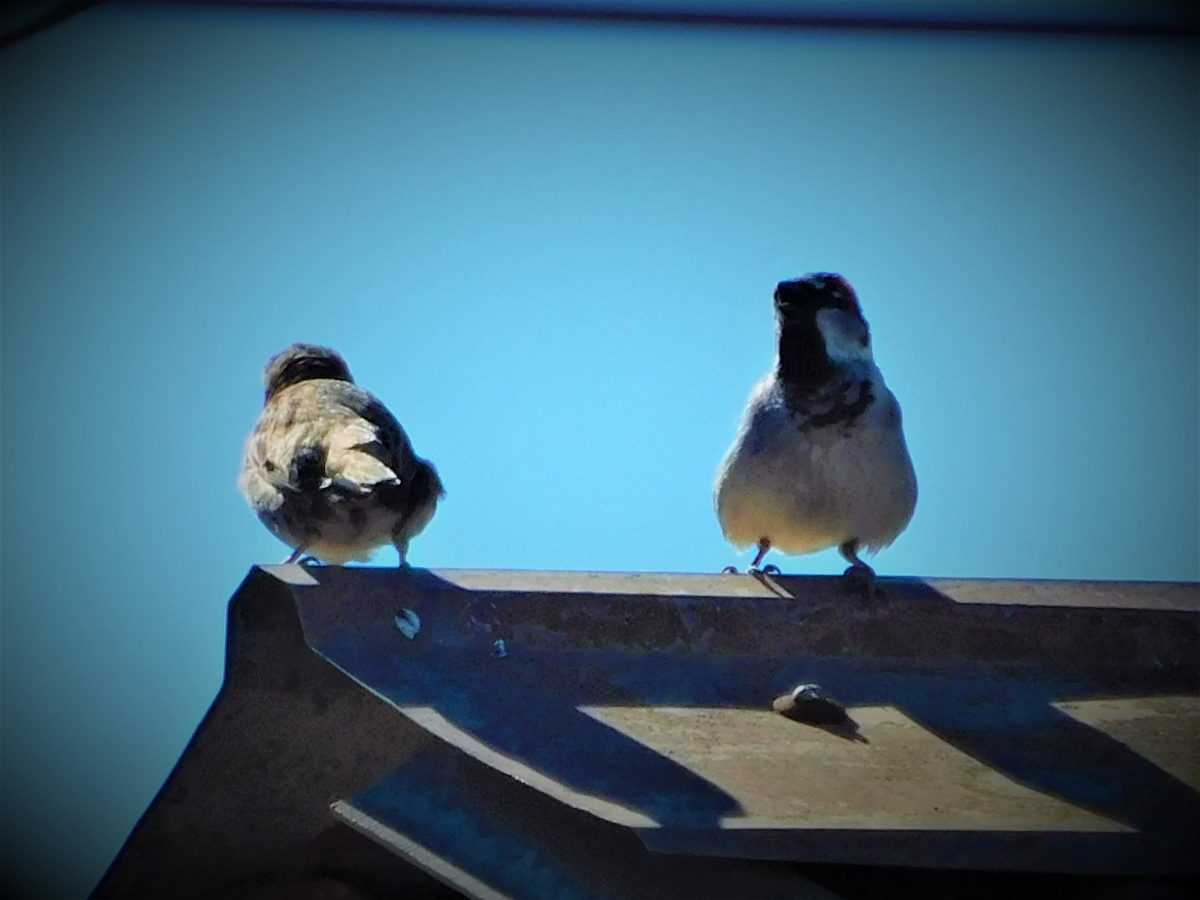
{"x": 807, "y": 494}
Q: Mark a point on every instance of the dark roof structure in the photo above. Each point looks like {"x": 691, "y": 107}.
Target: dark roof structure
{"x": 414, "y": 733}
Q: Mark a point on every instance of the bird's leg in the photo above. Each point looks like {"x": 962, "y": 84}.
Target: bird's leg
{"x": 764, "y": 544}
{"x": 860, "y": 576}
{"x": 296, "y": 554}
{"x": 849, "y": 551}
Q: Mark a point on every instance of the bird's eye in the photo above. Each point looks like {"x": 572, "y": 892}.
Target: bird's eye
{"x": 270, "y": 466}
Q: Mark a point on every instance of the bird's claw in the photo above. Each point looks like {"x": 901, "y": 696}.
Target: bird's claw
{"x": 730, "y": 570}
{"x": 860, "y": 579}
{"x": 769, "y": 569}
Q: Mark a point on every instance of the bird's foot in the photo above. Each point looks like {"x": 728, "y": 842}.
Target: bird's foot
{"x": 299, "y": 557}
{"x": 730, "y": 570}
{"x": 860, "y": 579}
{"x": 768, "y": 569}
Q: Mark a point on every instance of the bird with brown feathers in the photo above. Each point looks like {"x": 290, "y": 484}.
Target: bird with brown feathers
{"x": 328, "y": 469}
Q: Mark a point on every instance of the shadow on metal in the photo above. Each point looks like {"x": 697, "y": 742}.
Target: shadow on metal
{"x": 983, "y": 677}
{"x": 492, "y": 837}
{"x": 244, "y": 814}
{"x": 556, "y": 725}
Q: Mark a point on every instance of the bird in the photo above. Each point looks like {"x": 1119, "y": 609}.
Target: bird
{"x": 819, "y": 460}
{"x": 328, "y": 469}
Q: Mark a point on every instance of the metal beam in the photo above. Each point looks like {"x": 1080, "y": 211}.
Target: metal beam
{"x": 522, "y": 733}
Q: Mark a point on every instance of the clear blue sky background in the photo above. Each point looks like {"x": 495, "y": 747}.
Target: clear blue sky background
{"x": 551, "y": 251}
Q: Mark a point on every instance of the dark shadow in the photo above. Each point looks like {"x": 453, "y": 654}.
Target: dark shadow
{"x": 526, "y": 844}
{"x": 522, "y": 704}
{"x": 982, "y": 677}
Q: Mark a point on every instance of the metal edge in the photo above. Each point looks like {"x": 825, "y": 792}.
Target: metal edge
{"x": 1164, "y": 596}
{"x": 408, "y": 849}
{"x": 661, "y": 584}
{"x": 290, "y": 573}
{"x": 1149, "y": 595}
{"x": 437, "y": 724}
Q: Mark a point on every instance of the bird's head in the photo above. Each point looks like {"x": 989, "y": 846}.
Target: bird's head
{"x": 821, "y": 327}
{"x": 303, "y": 362}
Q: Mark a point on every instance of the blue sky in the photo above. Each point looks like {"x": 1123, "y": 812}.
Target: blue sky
{"x": 551, "y": 251}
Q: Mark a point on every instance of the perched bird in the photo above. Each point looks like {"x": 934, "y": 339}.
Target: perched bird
{"x": 819, "y": 460}
{"x": 328, "y": 469}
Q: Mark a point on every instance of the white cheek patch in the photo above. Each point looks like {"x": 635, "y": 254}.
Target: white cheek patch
{"x": 846, "y": 336}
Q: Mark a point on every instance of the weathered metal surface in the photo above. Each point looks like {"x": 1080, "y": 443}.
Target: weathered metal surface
{"x": 1146, "y": 595}
{"x": 652, "y": 710}
{"x": 555, "y": 726}
{"x": 1165, "y": 730}
{"x": 244, "y": 815}
{"x": 491, "y": 837}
